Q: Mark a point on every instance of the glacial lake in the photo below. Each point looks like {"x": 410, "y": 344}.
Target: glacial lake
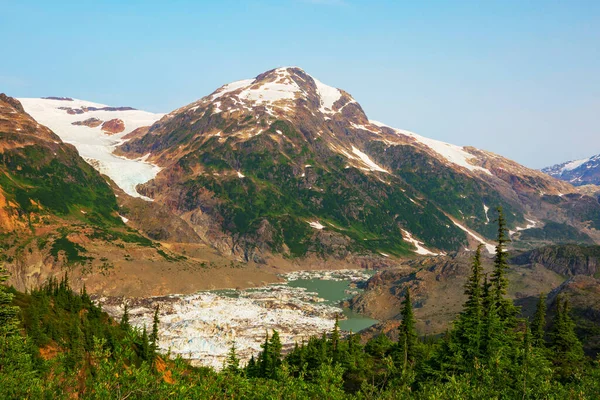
{"x": 334, "y": 292}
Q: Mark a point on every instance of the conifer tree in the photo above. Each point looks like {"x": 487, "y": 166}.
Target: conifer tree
{"x": 335, "y": 339}
{"x": 264, "y": 357}
{"x": 125, "y": 325}
{"x": 407, "y": 339}
{"x": 8, "y": 312}
{"x": 233, "y": 362}
{"x": 154, "y": 333}
{"x": 251, "y": 368}
{"x": 566, "y": 347}
{"x": 506, "y": 310}
{"x": 275, "y": 353}
{"x": 470, "y": 321}
{"x": 145, "y": 345}
{"x": 539, "y": 323}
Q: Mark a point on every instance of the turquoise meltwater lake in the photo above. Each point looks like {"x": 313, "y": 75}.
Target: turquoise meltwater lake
{"x": 334, "y": 292}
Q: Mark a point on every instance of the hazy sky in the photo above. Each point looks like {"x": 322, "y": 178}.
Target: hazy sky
{"x": 520, "y": 78}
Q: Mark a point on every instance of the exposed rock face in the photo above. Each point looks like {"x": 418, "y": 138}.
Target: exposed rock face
{"x": 58, "y": 98}
{"x": 283, "y": 163}
{"x": 437, "y": 289}
{"x": 90, "y": 122}
{"x": 113, "y": 126}
{"x": 567, "y": 260}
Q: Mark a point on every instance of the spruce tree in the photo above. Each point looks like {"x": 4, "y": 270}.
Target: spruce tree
{"x": 275, "y": 354}
{"x": 154, "y": 333}
{"x": 538, "y": 325}
{"x": 566, "y": 348}
{"x": 264, "y": 357}
{"x": 145, "y": 346}
{"x": 407, "y": 339}
{"x": 506, "y": 310}
{"x": 232, "y": 363}
{"x": 335, "y": 339}
{"x": 8, "y": 312}
{"x": 125, "y": 325}
{"x": 471, "y": 319}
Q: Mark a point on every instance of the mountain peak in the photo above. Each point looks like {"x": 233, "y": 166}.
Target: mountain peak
{"x": 280, "y": 89}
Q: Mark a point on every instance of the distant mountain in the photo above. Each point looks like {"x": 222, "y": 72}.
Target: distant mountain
{"x": 283, "y": 163}
{"x": 579, "y": 172}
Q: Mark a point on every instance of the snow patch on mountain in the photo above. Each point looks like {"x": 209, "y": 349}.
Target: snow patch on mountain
{"x": 329, "y": 95}
{"x": 419, "y": 245}
{"x": 490, "y": 248}
{"x": 365, "y": 159}
{"x": 453, "y": 153}
{"x": 92, "y": 143}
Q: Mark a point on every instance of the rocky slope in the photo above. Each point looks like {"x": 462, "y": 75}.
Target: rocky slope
{"x": 578, "y": 172}
{"x": 286, "y": 164}
{"x": 58, "y": 215}
{"x": 437, "y": 288}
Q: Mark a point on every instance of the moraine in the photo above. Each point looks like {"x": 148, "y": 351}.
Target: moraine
{"x": 202, "y": 327}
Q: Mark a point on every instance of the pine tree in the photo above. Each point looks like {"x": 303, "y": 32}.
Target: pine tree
{"x": 264, "y": 357}
{"x": 145, "y": 346}
{"x": 275, "y": 354}
{"x": 335, "y": 340}
{"x": 154, "y": 333}
{"x": 407, "y": 340}
{"x": 252, "y": 368}
{"x": 232, "y": 363}
{"x": 506, "y": 310}
{"x": 470, "y": 322}
{"x": 538, "y": 325}
{"x": 125, "y": 325}
{"x": 8, "y": 312}
{"x": 567, "y": 349}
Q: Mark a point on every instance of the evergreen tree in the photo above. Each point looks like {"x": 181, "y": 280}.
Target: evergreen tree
{"x": 125, "y": 325}
{"x": 407, "y": 340}
{"x": 566, "y": 348}
{"x": 232, "y": 363}
{"x": 505, "y": 308}
{"x": 145, "y": 346}
{"x": 8, "y": 312}
{"x": 252, "y": 369}
{"x": 154, "y": 333}
{"x": 335, "y": 339}
{"x": 470, "y": 321}
{"x": 538, "y": 325}
{"x": 275, "y": 354}
{"x": 264, "y": 358}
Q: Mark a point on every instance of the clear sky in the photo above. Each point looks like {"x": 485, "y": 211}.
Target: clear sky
{"x": 520, "y": 78}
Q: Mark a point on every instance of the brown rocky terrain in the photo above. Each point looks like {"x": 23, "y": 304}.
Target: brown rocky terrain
{"x": 90, "y": 122}
{"x": 113, "y": 126}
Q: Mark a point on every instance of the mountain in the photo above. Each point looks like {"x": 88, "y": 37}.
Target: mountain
{"x": 59, "y": 215}
{"x": 283, "y": 163}
{"x": 578, "y": 172}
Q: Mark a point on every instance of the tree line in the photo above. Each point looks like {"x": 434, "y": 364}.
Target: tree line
{"x": 489, "y": 352}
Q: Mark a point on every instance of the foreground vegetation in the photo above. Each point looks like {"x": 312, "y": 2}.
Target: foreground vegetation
{"x": 58, "y": 344}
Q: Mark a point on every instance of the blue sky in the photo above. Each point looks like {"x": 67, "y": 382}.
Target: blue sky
{"x": 520, "y": 78}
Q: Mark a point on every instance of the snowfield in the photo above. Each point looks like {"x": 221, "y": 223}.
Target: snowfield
{"x": 95, "y": 146}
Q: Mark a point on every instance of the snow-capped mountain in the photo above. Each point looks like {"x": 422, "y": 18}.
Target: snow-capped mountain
{"x": 285, "y": 163}
{"x": 578, "y": 172}
{"x": 95, "y": 130}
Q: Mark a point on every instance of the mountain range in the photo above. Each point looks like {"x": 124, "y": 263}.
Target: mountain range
{"x": 578, "y": 172}
{"x": 278, "y": 168}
